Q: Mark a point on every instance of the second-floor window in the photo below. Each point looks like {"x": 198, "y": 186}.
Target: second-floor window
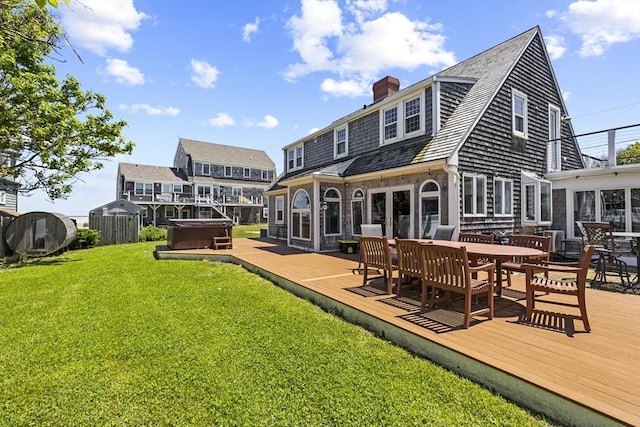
{"x": 206, "y": 169}
{"x": 172, "y": 188}
{"x": 502, "y": 197}
{"x": 143, "y": 188}
{"x": 474, "y": 195}
{"x": 554, "y": 162}
{"x": 265, "y": 175}
{"x": 294, "y": 158}
{"x": 247, "y": 173}
{"x": 519, "y": 113}
{"x": 412, "y": 115}
{"x": 3, "y": 197}
{"x": 236, "y": 191}
{"x": 391, "y": 124}
{"x": 228, "y": 171}
{"x": 340, "y": 147}
{"x": 403, "y": 120}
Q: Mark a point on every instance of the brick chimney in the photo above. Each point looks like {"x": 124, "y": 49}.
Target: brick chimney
{"x": 385, "y": 87}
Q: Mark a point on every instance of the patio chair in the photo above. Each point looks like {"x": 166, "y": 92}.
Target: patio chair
{"x": 542, "y": 243}
{"x": 448, "y": 268}
{"x": 607, "y": 252}
{"x": 409, "y": 262}
{"x": 565, "y": 286}
{"x": 367, "y": 230}
{"x": 444, "y": 232}
{"x": 476, "y": 238}
{"x": 376, "y": 255}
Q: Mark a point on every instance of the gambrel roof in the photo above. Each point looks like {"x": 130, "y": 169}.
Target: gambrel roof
{"x": 209, "y": 152}
{"x": 136, "y": 172}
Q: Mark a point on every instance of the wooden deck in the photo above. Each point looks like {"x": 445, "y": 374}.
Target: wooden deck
{"x": 547, "y": 364}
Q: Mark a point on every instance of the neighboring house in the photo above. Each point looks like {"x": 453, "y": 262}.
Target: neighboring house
{"x": 206, "y": 181}
{"x": 468, "y": 146}
{"x": 8, "y": 186}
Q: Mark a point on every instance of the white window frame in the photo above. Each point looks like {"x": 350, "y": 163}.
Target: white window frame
{"x": 147, "y": 188}
{"x": 265, "y": 175}
{"x": 295, "y": 158}
{"x": 228, "y": 171}
{"x": 207, "y": 190}
{"x": 554, "y": 151}
{"x": 301, "y": 212}
{"x": 279, "y": 208}
{"x": 169, "y": 212}
{"x": 477, "y": 197}
{"x": 503, "y": 207}
{"x": 3, "y": 197}
{"x": 265, "y": 213}
{"x": 515, "y": 96}
{"x": 357, "y": 198}
{"x": 332, "y": 200}
{"x": 206, "y": 169}
{"x": 401, "y": 119}
{"x": 340, "y": 141}
{"x": 236, "y": 191}
{"x": 426, "y": 193}
{"x": 246, "y": 172}
{"x": 533, "y": 191}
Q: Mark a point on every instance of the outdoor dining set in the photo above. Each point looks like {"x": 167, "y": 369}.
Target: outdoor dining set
{"x": 473, "y": 266}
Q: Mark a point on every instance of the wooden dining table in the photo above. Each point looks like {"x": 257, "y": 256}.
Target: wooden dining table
{"x": 496, "y": 253}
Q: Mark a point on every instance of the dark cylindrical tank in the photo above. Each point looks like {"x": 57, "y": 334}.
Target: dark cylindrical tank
{"x": 37, "y": 234}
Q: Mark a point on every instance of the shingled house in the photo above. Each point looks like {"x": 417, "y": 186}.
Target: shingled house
{"x": 206, "y": 180}
{"x": 468, "y": 146}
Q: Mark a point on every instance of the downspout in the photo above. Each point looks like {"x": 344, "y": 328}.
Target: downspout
{"x": 316, "y": 215}
{"x": 453, "y": 195}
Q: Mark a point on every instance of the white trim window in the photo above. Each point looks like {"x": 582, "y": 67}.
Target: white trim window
{"x": 228, "y": 171}
{"x": 236, "y": 191}
{"x": 246, "y": 172}
{"x": 206, "y": 169}
{"x": 502, "y": 197}
{"x": 295, "y": 157}
{"x": 301, "y": 216}
{"x": 519, "y": 113}
{"x": 332, "y": 219}
{"x": 340, "y": 146}
{"x": 402, "y": 120}
{"x": 265, "y": 175}
{"x": 357, "y": 212}
{"x": 429, "y": 209}
{"x": 143, "y": 188}
{"x": 169, "y": 212}
{"x": 474, "y": 195}
{"x": 3, "y": 197}
{"x": 554, "y": 159}
{"x": 279, "y": 210}
{"x": 536, "y": 200}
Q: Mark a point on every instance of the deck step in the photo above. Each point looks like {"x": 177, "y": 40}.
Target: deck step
{"x": 222, "y": 242}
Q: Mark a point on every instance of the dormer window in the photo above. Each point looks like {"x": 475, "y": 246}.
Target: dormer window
{"x": 340, "y": 148}
{"x": 247, "y": 172}
{"x": 402, "y": 120}
{"x": 519, "y": 114}
{"x": 206, "y": 169}
{"x": 294, "y": 158}
{"x": 228, "y": 171}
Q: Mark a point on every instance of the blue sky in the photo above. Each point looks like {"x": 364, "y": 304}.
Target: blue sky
{"x": 265, "y": 73}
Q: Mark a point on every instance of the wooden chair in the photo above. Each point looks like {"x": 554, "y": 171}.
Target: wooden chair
{"x": 599, "y": 236}
{"x": 448, "y": 268}
{"x": 376, "y": 255}
{"x": 409, "y": 262}
{"x": 444, "y": 232}
{"x": 476, "y": 238}
{"x": 542, "y": 243}
{"x": 367, "y": 230}
{"x": 566, "y": 286}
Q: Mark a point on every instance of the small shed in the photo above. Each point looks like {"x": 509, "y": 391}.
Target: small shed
{"x": 37, "y": 234}
{"x": 118, "y": 222}
{"x": 6, "y": 216}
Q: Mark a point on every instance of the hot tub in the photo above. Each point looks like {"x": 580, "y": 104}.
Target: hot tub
{"x": 197, "y": 233}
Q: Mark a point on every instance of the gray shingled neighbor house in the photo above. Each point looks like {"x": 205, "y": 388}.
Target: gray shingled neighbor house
{"x": 206, "y": 180}
{"x": 468, "y": 146}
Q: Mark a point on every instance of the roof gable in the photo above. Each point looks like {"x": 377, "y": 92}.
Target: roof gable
{"x": 209, "y": 152}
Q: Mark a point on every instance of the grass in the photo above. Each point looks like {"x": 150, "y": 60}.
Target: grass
{"x": 249, "y": 230}
{"x": 109, "y": 336}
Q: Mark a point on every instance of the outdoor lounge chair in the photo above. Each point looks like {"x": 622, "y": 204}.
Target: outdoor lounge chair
{"x": 448, "y": 268}
{"x": 607, "y": 251}
{"x": 566, "y": 286}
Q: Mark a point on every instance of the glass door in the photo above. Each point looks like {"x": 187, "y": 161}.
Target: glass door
{"x": 391, "y": 208}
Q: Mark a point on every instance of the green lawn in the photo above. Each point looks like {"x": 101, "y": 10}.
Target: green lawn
{"x": 110, "y": 336}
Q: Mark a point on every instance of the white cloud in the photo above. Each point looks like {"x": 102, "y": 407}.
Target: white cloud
{"x": 268, "y": 122}
{"x": 221, "y": 120}
{"x": 555, "y": 46}
{"x": 100, "y": 25}
{"x": 250, "y": 29}
{"x": 602, "y": 23}
{"x": 566, "y": 95}
{"x": 150, "y": 110}
{"x": 122, "y": 72}
{"x": 203, "y": 74}
{"x": 359, "y": 50}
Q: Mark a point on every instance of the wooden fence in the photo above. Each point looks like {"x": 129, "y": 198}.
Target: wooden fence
{"x": 115, "y": 229}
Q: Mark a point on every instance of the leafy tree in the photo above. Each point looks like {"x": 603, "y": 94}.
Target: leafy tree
{"x": 52, "y": 129}
{"x": 629, "y": 155}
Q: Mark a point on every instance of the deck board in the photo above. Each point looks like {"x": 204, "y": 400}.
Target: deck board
{"x": 599, "y": 370}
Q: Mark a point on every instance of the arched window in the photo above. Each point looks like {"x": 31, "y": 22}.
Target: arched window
{"x": 357, "y": 212}
{"x": 332, "y": 212}
{"x": 301, "y": 216}
{"x": 429, "y": 209}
